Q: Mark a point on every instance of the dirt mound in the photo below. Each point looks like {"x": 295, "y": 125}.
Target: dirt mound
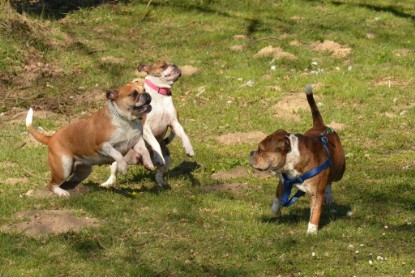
{"x": 188, "y": 70}
{"x": 48, "y": 222}
{"x": 241, "y": 138}
{"x": 287, "y": 108}
{"x": 275, "y": 52}
{"x": 336, "y": 49}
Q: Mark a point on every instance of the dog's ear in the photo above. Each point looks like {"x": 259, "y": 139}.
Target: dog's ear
{"x": 112, "y": 94}
{"x": 287, "y": 144}
{"x": 284, "y": 144}
{"x": 143, "y": 68}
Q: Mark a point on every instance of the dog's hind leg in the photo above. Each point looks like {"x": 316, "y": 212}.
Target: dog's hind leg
{"x": 164, "y": 168}
{"x": 80, "y": 173}
{"x": 61, "y": 168}
{"x": 113, "y": 177}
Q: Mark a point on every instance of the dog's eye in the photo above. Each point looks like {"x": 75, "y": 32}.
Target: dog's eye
{"x": 134, "y": 93}
{"x": 165, "y": 66}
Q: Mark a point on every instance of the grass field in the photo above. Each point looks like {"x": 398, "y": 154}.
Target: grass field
{"x": 249, "y": 56}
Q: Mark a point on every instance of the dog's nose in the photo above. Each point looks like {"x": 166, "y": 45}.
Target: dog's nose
{"x": 251, "y": 154}
{"x": 147, "y": 97}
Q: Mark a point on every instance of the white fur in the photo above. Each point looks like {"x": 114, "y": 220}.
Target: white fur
{"x": 312, "y": 228}
{"x": 60, "y": 192}
{"x": 113, "y": 177}
{"x": 29, "y": 117}
{"x": 292, "y": 158}
{"x": 163, "y": 114}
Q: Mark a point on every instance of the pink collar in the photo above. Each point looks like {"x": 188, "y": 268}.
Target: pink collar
{"x": 164, "y": 91}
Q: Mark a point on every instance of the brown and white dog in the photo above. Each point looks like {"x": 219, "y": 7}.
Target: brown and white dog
{"x": 105, "y": 136}
{"x": 292, "y": 155}
{"x": 158, "y": 83}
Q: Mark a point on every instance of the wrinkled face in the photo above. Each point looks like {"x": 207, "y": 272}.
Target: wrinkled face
{"x": 131, "y": 98}
{"x": 166, "y": 72}
{"x": 272, "y": 152}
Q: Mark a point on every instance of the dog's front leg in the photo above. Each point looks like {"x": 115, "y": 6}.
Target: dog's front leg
{"x": 179, "y": 131}
{"x": 155, "y": 146}
{"x": 276, "y": 205}
{"x": 140, "y": 148}
{"x": 316, "y": 204}
{"x": 108, "y": 150}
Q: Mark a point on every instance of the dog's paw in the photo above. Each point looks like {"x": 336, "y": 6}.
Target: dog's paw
{"x": 60, "y": 192}
{"x": 312, "y": 228}
{"x": 189, "y": 152}
{"x": 122, "y": 167}
{"x": 109, "y": 183}
{"x": 149, "y": 166}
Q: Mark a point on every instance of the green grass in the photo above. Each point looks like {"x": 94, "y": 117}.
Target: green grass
{"x": 190, "y": 230}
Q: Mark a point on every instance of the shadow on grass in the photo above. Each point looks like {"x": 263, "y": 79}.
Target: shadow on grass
{"x": 54, "y": 9}
{"x": 294, "y": 215}
{"x": 379, "y": 8}
{"x": 184, "y": 169}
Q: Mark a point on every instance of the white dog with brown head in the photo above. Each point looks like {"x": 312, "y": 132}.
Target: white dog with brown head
{"x": 158, "y": 83}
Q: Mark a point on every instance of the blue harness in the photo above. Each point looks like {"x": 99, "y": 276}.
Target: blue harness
{"x": 288, "y": 183}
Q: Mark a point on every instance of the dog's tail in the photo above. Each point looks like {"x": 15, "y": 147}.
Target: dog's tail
{"x": 33, "y": 131}
{"x": 317, "y": 118}
{"x": 169, "y": 139}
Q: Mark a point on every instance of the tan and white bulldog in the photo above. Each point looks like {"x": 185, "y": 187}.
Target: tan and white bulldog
{"x": 294, "y": 155}
{"x": 158, "y": 83}
{"x": 103, "y": 138}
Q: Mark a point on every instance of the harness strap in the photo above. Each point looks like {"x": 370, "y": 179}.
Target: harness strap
{"x": 288, "y": 183}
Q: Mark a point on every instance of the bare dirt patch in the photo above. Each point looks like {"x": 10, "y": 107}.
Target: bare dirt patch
{"x": 288, "y": 107}
{"x": 15, "y": 181}
{"x": 336, "y": 49}
{"x": 188, "y": 70}
{"x": 241, "y": 138}
{"x": 336, "y": 126}
{"x": 275, "y": 52}
{"x": 237, "y": 48}
{"x": 240, "y": 171}
{"x": 232, "y": 173}
{"x": 48, "y": 222}
{"x": 7, "y": 164}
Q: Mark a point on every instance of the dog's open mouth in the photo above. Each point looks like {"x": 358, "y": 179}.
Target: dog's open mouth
{"x": 146, "y": 108}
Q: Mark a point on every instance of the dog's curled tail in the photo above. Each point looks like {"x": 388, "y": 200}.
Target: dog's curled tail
{"x": 169, "y": 139}
{"x": 33, "y": 131}
{"x": 317, "y": 118}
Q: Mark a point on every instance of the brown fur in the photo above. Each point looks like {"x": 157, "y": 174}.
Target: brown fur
{"x": 273, "y": 151}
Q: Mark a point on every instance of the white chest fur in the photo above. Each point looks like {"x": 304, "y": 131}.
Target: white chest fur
{"x": 126, "y": 134}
